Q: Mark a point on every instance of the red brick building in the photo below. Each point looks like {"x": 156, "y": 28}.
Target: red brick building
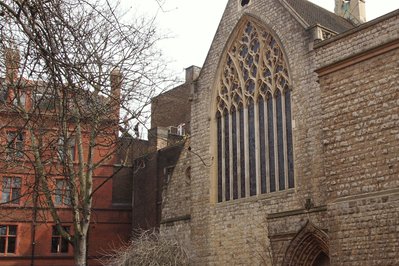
{"x": 27, "y": 230}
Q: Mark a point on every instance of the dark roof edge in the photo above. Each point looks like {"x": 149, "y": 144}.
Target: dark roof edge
{"x": 166, "y": 92}
{"x": 295, "y": 14}
{"x": 317, "y": 25}
{"x": 357, "y": 29}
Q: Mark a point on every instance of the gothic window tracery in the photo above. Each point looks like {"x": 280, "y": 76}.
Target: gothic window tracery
{"x": 253, "y": 118}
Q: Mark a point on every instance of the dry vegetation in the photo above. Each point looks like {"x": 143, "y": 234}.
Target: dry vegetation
{"x": 150, "y": 248}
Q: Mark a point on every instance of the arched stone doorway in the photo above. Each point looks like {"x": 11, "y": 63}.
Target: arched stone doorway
{"x": 322, "y": 260}
{"x": 310, "y": 247}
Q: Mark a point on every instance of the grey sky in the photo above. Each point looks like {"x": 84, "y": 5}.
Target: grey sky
{"x": 192, "y": 24}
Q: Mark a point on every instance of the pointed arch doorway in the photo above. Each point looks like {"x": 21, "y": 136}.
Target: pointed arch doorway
{"x": 322, "y": 260}
{"x": 310, "y": 247}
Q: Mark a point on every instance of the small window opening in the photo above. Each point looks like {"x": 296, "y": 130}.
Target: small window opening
{"x": 168, "y": 171}
{"x": 244, "y": 2}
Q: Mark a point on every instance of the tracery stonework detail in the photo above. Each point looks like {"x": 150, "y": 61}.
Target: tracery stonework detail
{"x": 254, "y": 131}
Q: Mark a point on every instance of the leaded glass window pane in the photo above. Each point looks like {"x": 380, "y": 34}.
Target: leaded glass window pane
{"x": 254, "y": 97}
{"x": 280, "y": 142}
{"x": 242, "y": 149}
{"x": 270, "y": 133}
{"x": 252, "y": 159}
{"x": 262, "y": 139}
{"x": 219, "y": 129}
{"x": 235, "y": 162}
{"x": 227, "y": 156}
{"x": 290, "y": 156}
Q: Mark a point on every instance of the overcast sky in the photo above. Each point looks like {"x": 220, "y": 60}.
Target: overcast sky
{"x": 192, "y": 24}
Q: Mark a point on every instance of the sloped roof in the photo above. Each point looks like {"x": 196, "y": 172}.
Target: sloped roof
{"x": 313, "y": 14}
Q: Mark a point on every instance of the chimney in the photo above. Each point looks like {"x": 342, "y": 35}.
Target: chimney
{"x": 158, "y": 138}
{"x": 353, "y": 10}
{"x": 116, "y": 85}
{"x": 12, "y": 59}
{"x": 192, "y": 73}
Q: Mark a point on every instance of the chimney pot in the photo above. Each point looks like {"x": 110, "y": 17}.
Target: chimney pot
{"x": 116, "y": 85}
{"x": 12, "y": 59}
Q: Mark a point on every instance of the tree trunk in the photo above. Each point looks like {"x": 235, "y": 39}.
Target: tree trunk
{"x": 80, "y": 250}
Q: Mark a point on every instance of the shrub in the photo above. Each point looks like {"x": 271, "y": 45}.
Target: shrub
{"x": 150, "y": 248}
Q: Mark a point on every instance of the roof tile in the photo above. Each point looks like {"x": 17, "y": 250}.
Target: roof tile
{"x": 314, "y": 14}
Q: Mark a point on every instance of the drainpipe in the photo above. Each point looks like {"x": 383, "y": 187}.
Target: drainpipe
{"x": 34, "y": 220}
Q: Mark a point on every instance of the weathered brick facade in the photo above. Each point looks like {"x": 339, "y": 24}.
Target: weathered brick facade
{"x": 111, "y": 210}
{"x": 172, "y": 108}
{"x": 345, "y": 106}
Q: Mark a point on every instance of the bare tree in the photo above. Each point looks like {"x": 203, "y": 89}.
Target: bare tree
{"x": 71, "y": 68}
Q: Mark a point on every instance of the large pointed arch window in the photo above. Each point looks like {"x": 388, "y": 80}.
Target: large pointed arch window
{"x": 253, "y": 118}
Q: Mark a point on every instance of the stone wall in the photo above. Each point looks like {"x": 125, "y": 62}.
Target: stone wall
{"x": 365, "y": 230}
{"x": 361, "y": 119}
{"x": 369, "y": 35}
{"x": 360, "y": 103}
{"x": 235, "y": 232}
{"x": 149, "y": 181}
{"x": 345, "y": 132}
{"x": 176, "y": 200}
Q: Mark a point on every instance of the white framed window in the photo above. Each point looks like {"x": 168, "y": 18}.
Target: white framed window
{"x": 19, "y": 99}
{"x": 71, "y": 147}
{"x": 11, "y": 190}
{"x": 58, "y": 243}
{"x": 43, "y": 101}
{"x": 62, "y": 193}
{"x": 168, "y": 171}
{"x": 8, "y": 239}
{"x": 15, "y": 144}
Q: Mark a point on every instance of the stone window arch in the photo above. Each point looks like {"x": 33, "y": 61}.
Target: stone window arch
{"x": 253, "y": 117}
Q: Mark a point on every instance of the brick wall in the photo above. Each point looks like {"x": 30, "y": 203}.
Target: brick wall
{"x": 172, "y": 107}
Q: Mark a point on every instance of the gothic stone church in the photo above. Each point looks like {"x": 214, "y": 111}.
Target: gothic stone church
{"x": 292, "y": 156}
